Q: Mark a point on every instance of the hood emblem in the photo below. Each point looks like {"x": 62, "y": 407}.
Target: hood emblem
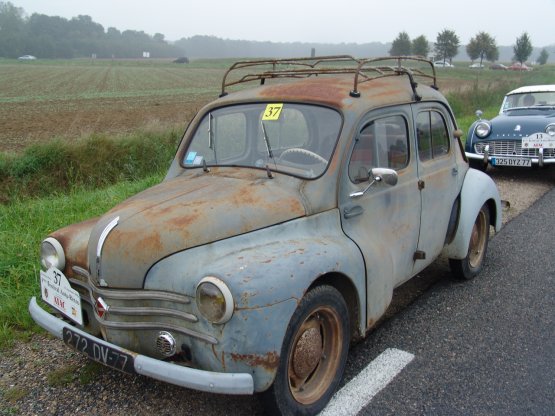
{"x": 101, "y": 307}
{"x": 101, "y": 240}
{"x": 517, "y": 128}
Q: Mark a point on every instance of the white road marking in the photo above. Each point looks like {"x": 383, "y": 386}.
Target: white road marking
{"x": 360, "y": 390}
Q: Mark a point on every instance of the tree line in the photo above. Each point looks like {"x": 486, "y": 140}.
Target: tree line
{"x": 446, "y": 47}
{"x": 56, "y": 37}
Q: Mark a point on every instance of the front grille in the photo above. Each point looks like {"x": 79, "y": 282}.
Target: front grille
{"x": 142, "y": 309}
{"x": 510, "y": 148}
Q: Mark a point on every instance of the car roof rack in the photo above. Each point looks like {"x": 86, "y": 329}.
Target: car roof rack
{"x": 363, "y": 70}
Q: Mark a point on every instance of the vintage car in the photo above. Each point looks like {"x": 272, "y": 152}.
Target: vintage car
{"x": 291, "y": 211}
{"x": 523, "y": 134}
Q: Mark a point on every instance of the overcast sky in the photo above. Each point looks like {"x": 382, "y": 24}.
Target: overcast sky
{"x": 349, "y": 21}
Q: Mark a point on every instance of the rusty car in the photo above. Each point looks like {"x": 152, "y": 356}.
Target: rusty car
{"x": 290, "y": 212}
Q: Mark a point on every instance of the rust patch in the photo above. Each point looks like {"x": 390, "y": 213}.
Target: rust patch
{"x": 269, "y": 361}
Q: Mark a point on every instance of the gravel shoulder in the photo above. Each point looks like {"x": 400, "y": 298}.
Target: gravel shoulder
{"x": 44, "y": 377}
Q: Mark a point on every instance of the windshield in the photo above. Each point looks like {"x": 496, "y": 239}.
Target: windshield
{"x": 527, "y": 100}
{"x": 297, "y": 139}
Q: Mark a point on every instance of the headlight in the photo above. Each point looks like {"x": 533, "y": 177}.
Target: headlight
{"x": 214, "y": 300}
{"x": 52, "y": 254}
{"x": 550, "y": 130}
{"x": 482, "y": 129}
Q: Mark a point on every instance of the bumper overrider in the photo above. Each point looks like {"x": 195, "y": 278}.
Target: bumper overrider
{"x": 208, "y": 381}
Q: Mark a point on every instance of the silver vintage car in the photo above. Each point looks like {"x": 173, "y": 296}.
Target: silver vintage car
{"x": 291, "y": 211}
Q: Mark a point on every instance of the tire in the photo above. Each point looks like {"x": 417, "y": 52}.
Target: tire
{"x": 313, "y": 355}
{"x": 472, "y": 264}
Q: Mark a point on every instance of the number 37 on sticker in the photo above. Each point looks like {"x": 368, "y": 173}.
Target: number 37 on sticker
{"x": 272, "y": 111}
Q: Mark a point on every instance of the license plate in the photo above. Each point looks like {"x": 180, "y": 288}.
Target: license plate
{"x": 510, "y": 161}
{"x": 99, "y": 352}
{"x": 58, "y": 293}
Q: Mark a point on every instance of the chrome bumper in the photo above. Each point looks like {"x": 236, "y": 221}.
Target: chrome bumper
{"x": 225, "y": 383}
{"x": 486, "y": 158}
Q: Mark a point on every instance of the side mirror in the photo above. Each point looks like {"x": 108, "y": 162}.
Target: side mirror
{"x": 387, "y": 176}
{"x": 479, "y": 114}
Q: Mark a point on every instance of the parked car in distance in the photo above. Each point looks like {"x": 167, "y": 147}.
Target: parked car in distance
{"x": 523, "y": 134}
{"x": 476, "y": 65}
{"x": 289, "y": 214}
{"x": 517, "y": 66}
{"x": 442, "y": 64}
{"x": 498, "y": 67}
{"x": 27, "y": 58}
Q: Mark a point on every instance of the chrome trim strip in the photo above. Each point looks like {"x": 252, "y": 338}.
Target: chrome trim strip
{"x": 142, "y": 294}
{"x": 156, "y": 326}
{"x": 202, "y": 380}
{"x": 104, "y": 235}
{"x": 143, "y": 311}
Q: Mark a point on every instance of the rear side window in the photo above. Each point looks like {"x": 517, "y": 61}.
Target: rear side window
{"x": 432, "y": 135}
{"x": 381, "y": 143}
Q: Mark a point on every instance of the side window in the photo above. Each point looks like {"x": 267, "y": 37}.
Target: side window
{"x": 432, "y": 135}
{"x": 381, "y": 143}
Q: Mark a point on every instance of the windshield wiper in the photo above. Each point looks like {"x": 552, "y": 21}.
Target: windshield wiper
{"x": 268, "y": 148}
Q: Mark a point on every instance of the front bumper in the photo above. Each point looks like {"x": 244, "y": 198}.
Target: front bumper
{"x": 225, "y": 383}
{"x": 500, "y": 149}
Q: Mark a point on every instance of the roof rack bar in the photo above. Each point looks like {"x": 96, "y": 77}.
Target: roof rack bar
{"x": 331, "y": 65}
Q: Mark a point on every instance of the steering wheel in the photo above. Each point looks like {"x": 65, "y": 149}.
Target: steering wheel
{"x": 309, "y": 153}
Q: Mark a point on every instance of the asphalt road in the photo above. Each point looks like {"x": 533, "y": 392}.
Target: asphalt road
{"x": 484, "y": 347}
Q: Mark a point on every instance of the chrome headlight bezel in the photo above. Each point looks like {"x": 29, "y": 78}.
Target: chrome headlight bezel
{"x": 52, "y": 254}
{"x": 550, "y": 129}
{"x": 482, "y": 129}
{"x": 214, "y": 300}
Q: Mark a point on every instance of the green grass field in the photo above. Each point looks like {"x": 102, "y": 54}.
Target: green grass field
{"x": 43, "y": 95}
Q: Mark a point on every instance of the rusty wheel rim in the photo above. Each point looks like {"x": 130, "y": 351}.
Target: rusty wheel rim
{"x": 478, "y": 241}
{"x": 315, "y": 355}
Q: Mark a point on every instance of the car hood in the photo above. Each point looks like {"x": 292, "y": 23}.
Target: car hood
{"x": 185, "y": 212}
{"x": 519, "y": 124}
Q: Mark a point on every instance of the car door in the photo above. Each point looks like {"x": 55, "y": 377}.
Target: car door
{"x": 384, "y": 220}
{"x": 438, "y": 178}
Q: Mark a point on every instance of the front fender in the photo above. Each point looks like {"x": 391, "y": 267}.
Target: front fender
{"x": 478, "y": 189}
{"x": 267, "y": 271}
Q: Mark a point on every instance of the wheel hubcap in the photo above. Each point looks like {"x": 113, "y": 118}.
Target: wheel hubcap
{"x": 315, "y": 355}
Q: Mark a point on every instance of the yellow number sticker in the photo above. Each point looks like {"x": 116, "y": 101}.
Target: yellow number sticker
{"x": 272, "y": 112}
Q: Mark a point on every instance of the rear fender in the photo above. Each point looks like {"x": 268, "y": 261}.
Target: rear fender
{"x": 478, "y": 189}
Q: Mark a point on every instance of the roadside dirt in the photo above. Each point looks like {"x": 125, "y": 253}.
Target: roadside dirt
{"x": 44, "y": 377}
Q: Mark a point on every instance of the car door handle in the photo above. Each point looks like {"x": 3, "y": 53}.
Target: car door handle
{"x": 352, "y": 211}
{"x": 455, "y": 171}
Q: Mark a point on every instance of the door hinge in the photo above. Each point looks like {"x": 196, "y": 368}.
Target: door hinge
{"x": 419, "y": 255}
{"x": 421, "y": 184}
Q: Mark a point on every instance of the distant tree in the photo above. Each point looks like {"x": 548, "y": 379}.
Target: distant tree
{"x": 482, "y": 46}
{"x": 523, "y": 48}
{"x": 446, "y": 46}
{"x": 420, "y": 46}
{"x": 12, "y": 30}
{"x": 542, "y": 59}
{"x": 401, "y": 45}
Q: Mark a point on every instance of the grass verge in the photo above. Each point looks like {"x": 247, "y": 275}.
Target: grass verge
{"x": 24, "y": 225}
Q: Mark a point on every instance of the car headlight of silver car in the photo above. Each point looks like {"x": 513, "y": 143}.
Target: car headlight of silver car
{"x": 214, "y": 300}
{"x": 52, "y": 254}
{"x": 483, "y": 129}
{"x": 550, "y": 129}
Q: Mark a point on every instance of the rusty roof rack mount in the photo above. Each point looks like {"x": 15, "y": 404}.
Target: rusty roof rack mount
{"x": 363, "y": 70}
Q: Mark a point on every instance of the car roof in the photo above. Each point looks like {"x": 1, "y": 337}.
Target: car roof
{"x": 533, "y": 88}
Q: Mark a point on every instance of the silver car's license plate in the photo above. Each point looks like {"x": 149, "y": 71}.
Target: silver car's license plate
{"x": 510, "y": 161}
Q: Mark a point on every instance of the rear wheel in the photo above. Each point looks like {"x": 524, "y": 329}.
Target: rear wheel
{"x": 472, "y": 264}
{"x": 313, "y": 355}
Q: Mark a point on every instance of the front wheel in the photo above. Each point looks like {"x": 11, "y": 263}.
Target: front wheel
{"x": 472, "y": 264}
{"x": 313, "y": 355}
